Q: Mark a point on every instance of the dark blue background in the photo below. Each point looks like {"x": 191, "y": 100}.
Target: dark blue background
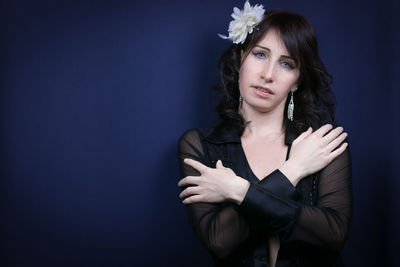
{"x": 95, "y": 94}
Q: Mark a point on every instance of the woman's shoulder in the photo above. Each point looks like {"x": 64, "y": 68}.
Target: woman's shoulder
{"x": 220, "y": 133}
{"x": 198, "y": 132}
{"x": 195, "y": 134}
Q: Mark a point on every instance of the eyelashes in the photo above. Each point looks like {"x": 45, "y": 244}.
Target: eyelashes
{"x": 284, "y": 63}
{"x": 288, "y": 65}
{"x": 259, "y": 54}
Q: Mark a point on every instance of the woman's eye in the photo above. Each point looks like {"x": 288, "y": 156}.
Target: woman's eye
{"x": 259, "y": 54}
{"x": 287, "y": 65}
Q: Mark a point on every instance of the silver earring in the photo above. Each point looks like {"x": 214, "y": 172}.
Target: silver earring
{"x": 240, "y": 101}
{"x": 290, "y": 108}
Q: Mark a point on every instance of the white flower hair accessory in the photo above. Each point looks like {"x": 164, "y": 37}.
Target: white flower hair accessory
{"x": 244, "y": 22}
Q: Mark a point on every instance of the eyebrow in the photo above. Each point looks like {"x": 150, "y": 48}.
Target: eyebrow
{"x": 269, "y": 50}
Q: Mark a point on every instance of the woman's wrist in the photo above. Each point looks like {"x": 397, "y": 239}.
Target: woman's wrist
{"x": 291, "y": 171}
{"x": 240, "y": 188}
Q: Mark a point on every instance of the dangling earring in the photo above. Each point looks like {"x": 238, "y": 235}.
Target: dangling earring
{"x": 290, "y": 108}
{"x": 240, "y": 96}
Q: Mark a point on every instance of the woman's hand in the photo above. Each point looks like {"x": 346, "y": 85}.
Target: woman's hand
{"x": 213, "y": 185}
{"x": 312, "y": 151}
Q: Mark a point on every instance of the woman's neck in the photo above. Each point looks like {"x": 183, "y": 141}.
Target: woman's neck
{"x": 262, "y": 124}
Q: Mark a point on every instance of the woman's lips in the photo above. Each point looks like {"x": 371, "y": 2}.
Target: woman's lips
{"x": 263, "y": 91}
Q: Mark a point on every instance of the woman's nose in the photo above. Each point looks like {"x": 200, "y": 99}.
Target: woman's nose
{"x": 267, "y": 71}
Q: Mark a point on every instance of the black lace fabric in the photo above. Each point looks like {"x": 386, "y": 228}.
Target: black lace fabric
{"x": 226, "y": 228}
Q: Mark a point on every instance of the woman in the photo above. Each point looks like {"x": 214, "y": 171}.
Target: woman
{"x": 270, "y": 185}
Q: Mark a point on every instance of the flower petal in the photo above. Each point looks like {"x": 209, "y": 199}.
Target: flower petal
{"x": 243, "y": 22}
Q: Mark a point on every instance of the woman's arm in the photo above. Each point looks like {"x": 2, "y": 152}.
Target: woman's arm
{"x": 312, "y": 151}
{"x": 218, "y": 226}
{"x": 210, "y": 196}
{"x": 327, "y": 223}
{"x": 270, "y": 205}
{"x": 324, "y": 225}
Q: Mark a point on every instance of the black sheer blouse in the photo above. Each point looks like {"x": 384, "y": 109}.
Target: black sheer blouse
{"x": 311, "y": 219}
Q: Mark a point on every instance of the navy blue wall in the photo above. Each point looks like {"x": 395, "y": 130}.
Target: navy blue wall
{"x": 95, "y": 94}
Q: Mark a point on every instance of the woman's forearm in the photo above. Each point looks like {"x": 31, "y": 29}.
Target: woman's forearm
{"x": 291, "y": 171}
{"x": 241, "y": 186}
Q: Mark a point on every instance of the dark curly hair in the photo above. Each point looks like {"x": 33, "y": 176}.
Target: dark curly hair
{"x": 314, "y": 100}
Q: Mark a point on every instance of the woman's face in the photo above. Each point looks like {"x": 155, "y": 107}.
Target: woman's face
{"x": 267, "y": 75}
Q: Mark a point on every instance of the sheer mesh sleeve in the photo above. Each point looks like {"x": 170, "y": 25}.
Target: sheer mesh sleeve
{"x": 272, "y": 206}
{"x": 326, "y": 224}
{"x": 218, "y": 226}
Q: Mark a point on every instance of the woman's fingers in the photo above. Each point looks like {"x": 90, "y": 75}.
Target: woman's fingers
{"x": 323, "y": 130}
{"x": 189, "y": 180}
{"x": 338, "y": 151}
{"x": 193, "y": 199}
{"x": 189, "y": 191}
{"x": 336, "y": 142}
{"x": 195, "y": 164}
{"x": 332, "y": 134}
{"x": 303, "y": 135}
{"x": 219, "y": 165}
